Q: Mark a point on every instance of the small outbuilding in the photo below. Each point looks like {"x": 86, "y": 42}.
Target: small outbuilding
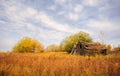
{"x": 85, "y": 48}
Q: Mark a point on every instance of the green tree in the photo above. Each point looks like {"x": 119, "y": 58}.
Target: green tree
{"x": 28, "y": 45}
{"x": 68, "y": 42}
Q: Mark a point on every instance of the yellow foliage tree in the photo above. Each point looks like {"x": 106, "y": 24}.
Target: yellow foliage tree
{"x": 28, "y": 45}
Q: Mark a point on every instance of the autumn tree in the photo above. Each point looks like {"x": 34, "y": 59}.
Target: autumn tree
{"x": 54, "y": 48}
{"x": 68, "y": 42}
{"x": 28, "y": 45}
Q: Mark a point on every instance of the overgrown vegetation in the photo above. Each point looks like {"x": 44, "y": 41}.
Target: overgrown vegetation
{"x": 58, "y": 64}
{"x": 68, "y": 42}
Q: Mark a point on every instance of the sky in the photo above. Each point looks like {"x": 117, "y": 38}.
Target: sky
{"x": 50, "y": 21}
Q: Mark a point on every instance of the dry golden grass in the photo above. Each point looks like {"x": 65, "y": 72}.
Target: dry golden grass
{"x": 58, "y": 64}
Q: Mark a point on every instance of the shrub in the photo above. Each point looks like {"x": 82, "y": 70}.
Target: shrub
{"x": 28, "y": 45}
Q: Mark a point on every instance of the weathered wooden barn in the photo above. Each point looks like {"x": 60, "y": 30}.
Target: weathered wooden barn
{"x": 88, "y": 49}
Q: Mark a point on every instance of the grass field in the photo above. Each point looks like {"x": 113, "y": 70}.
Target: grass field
{"x": 58, "y": 64}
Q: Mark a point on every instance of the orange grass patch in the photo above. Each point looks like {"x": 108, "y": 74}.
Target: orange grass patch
{"x": 58, "y": 64}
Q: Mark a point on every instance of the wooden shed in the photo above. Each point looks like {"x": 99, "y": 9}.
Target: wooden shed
{"x": 92, "y": 48}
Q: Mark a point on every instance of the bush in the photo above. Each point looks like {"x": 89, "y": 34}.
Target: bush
{"x": 53, "y": 48}
{"x": 117, "y": 48}
{"x": 28, "y": 45}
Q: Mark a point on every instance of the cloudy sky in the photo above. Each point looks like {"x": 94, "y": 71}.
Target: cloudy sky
{"x": 50, "y": 21}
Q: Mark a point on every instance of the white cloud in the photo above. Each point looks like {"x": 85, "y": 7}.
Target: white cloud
{"x": 43, "y": 33}
{"x": 60, "y": 1}
{"x": 53, "y": 7}
{"x": 2, "y": 22}
{"x": 61, "y": 13}
{"x": 90, "y": 2}
{"x": 76, "y": 12}
{"x": 29, "y": 12}
{"x": 77, "y": 16}
{"x": 50, "y": 23}
{"x": 78, "y": 8}
{"x": 73, "y": 16}
{"x": 103, "y": 25}
{"x": 16, "y": 11}
{"x": 19, "y": 12}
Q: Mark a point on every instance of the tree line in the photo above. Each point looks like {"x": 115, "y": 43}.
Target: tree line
{"x": 29, "y": 45}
